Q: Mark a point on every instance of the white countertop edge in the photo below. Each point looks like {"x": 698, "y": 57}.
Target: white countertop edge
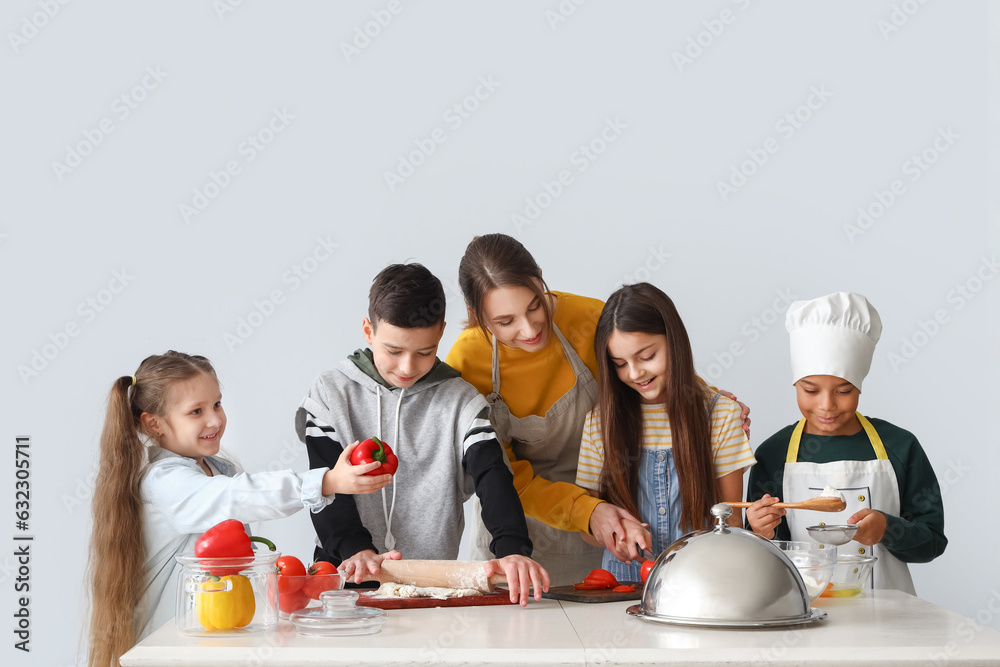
{"x": 191, "y": 656}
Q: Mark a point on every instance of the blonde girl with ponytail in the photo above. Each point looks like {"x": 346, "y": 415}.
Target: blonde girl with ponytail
{"x": 161, "y": 483}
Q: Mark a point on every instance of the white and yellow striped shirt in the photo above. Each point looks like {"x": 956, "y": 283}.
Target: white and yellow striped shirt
{"x": 730, "y": 445}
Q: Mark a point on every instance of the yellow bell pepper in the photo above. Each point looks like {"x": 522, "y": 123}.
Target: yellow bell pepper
{"x": 219, "y": 609}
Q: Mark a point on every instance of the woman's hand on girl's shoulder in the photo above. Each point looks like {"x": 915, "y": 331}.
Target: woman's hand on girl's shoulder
{"x": 744, "y": 409}
{"x": 352, "y": 479}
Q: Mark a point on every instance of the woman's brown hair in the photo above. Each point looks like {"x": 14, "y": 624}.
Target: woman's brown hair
{"x": 117, "y": 546}
{"x": 497, "y": 260}
{"x": 643, "y": 308}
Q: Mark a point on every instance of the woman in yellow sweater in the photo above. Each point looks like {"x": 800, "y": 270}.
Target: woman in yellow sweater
{"x": 530, "y": 351}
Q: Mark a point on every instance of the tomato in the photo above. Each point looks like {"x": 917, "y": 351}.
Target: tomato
{"x": 323, "y": 576}
{"x": 290, "y": 574}
{"x": 644, "y": 572}
{"x": 289, "y": 602}
{"x": 624, "y": 589}
{"x": 600, "y": 576}
{"x": 597, "y": 580}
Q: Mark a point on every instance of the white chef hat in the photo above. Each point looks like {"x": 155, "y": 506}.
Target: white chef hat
{"x": 833, "y": 335}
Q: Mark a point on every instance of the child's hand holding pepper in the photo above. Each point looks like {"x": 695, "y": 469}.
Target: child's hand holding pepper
{"x": 351, "y": 479}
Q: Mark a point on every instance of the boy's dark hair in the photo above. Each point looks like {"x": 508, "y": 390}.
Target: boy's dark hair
{"x": 406, "y": 296}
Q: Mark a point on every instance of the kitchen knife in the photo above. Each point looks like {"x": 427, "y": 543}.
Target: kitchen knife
{"x": 442, "y": 573}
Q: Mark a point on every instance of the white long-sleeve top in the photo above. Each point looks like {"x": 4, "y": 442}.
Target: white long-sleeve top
{"x": 181, "y": 502}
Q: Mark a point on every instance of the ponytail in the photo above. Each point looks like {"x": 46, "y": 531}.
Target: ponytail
{"x": 117, "y": 547}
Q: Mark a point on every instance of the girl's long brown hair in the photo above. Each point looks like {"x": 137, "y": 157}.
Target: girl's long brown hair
{"x": 117, "y": 546}
{"x": 497, "y": 260}
{"x": 643, "y": 308}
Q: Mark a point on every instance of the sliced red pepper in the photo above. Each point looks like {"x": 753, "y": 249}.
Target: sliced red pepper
{"x": 227, "y": 539}
{"x": 624, "y": 589}
{"x": 584, "y": 586}
{"x": 373, "y": 450}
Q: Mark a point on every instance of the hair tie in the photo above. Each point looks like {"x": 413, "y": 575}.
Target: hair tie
{"x": 133, "y": 380}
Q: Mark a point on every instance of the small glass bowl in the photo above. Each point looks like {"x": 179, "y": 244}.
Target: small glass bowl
{"x": 815, "y": 563}
{"x": 849, "y": 576}
{"x": 303, "y": 592}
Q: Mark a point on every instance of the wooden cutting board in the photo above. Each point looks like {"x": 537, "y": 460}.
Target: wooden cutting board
{"x": 605, "y": 595}
{"x": 369, "y": 600}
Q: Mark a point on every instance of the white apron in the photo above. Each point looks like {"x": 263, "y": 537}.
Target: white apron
{"x": 552, "y": 445}
{"x": 865, "y": 484}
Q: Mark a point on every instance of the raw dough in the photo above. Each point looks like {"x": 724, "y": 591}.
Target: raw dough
{"x": 393, "y": 590}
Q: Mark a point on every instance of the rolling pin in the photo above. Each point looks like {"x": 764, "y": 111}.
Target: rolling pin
{"x": 442, "y": 573}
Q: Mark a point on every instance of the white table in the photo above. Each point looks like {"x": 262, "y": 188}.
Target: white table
{"x": 878, "y": 628}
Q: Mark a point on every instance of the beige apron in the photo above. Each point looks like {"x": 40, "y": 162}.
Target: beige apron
{"x": 865, "y": 484}
{"x": 552, "y": 445}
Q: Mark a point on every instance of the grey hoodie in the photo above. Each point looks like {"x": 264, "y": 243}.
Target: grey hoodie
{"x": 439, "y": 429}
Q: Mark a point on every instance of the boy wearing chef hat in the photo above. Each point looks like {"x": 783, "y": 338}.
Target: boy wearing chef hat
{"x": 891, "y": 491}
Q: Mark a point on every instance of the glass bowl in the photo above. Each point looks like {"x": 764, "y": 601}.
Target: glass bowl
{"x": 301, "y": 592}
{"x": 814, "y": 561}
{"x": 227, "y": 597}
{"x": 849, "y": 576}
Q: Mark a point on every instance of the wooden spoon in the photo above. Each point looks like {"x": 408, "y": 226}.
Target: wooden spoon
{"x": 818, "y": 504}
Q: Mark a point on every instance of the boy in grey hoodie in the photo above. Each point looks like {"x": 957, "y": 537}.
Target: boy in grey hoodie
{"x": 436, "y": 423}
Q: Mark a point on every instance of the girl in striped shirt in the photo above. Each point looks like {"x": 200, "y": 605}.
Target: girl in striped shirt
{"x": 660, "y": 442}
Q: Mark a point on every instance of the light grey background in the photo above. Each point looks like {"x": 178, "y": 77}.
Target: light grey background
{"x": 891, "y": 78}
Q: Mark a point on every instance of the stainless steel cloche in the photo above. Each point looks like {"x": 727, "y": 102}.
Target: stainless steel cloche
{"x": 726, "y": 577}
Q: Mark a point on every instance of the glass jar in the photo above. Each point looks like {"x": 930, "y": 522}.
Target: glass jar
{"x": 227, "y": 597}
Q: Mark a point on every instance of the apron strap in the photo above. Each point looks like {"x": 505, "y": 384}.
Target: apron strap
{"x": 495, "y": 361}
{"x": 793, "y": 442}
{"x": 873, "y": 437}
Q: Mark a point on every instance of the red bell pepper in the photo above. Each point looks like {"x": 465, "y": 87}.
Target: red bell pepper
{"x": 227, "y": 540}
{"x": 372, "y": 450}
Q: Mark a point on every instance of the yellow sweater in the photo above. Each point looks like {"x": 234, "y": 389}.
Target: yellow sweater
{"x": 530, "y": 383}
